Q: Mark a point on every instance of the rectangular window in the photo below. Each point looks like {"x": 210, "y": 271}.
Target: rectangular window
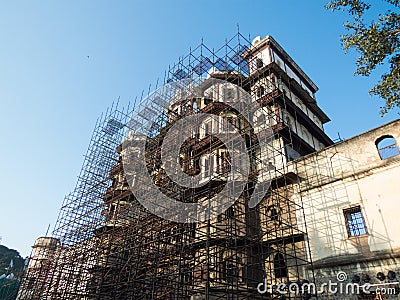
{"x": 208, "y": 166}
{"x": 354, "y": 221}
{"x": 31, "y": 283}
{"x": 223, "y": 166}
{"x": 228, "y": 94}
{"x": 207, "y": 128}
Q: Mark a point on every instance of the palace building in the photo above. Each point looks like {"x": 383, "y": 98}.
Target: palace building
{"x": 277, "y": 201}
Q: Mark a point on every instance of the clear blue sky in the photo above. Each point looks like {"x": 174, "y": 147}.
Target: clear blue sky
{"x": 51, "y": 93}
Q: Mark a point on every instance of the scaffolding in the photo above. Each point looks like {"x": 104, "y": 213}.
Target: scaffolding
{"x": 106, "y": 245}
{"x": 330, "y": 187}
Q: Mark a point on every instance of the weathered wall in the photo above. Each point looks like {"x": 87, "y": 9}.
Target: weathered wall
{"x": 345, "y": 175}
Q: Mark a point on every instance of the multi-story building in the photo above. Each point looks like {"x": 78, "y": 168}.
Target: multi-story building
{"x": 259, "y": 127}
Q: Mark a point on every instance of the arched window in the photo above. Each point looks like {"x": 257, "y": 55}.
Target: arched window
{"x": 387, "y": 147}
{"x": 261, "y": 120}
{"x": 280, "y": 268}
{"x": 259, "y": 63}
{"x": 260, "y": 91}
{"x": 273, "y": 215}
{"x": 229, "y": 213}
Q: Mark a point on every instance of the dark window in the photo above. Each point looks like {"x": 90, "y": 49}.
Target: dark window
{"x": 223, "y": 166}
{"x": 31, "y": 283}
{"x": 355, "y": 221}
{"x": 209, "y": 166}
{"x": 219, "y": 218}
{"x": 260, "y": 91}
{"x": 259, "y": 63}
{"x": 207, "y": 128}
{"x": 291, "y": 153}
{"x": 230, "y": 213}
{"x": 193, "y": 233}
{"x": 186, "y": 274}
{"x": 273, "y": 214}
{"x": 280, "y": 268}
{"x": 112, "y": 212}
{"x": 232, "y": 121}
{"x": 387, "y": 147}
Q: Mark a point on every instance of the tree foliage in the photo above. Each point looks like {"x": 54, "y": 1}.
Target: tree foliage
{"x": 6, "y": 255}
{"x": 9, "y": 286}
{"x": 377, "y": 42}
